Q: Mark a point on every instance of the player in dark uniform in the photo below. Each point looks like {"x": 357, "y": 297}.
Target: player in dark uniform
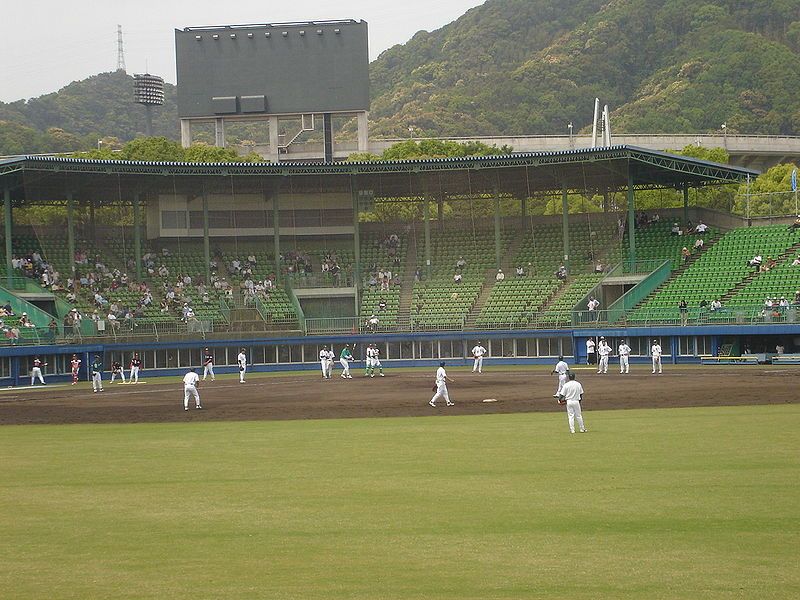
{"x": 117, "y": 370}
{"x": 97, "y": 374}
{"x": 136, "y": 364}
{"x": 208, "y": 364}
{"x": 36, "y": 371}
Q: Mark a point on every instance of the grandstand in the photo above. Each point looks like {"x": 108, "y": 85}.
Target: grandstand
{"x": 207, "y": 234}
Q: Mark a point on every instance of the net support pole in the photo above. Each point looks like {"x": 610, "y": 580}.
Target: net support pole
{"x": 356, "y": 245}
{"x": 8, "y": 216}
{"x": 426, "y": 221}
{"x": 206, "y": 240}
{"x": 565, "y": 225}
{"x": 498, "y": 246}
{"x": 71, "y": 232}
{"x": 685, "y": 203}
{"x": 137, "y": 234}
{"x": 524, "y": 207}
{"x": 631, "y": 221}
{"x": 276, "y": 234}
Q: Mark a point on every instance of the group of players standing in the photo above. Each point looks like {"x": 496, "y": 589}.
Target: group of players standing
{"x": 600, "y": 352}
{"x": 372, "y": 361}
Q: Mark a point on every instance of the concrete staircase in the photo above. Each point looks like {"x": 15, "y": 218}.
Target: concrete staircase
{"x": 791, "y": 251}
{"x": 407, "y": 282}
{"x": 490, "y": 278}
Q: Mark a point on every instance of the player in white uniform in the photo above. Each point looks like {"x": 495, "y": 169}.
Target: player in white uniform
{"x": 561, "y": 368}
{"x": 374, "y": 360}
{"x": 655, "y": 352}
{"x": 190, "y": 382}
{"x": 603, "y": 350}
{"x": 36, "y": 370}
{"x": 440, "y": 387}
{"x": 571, "y": 395}
{"x": 477, "y": 352}
{"x": 323, "y": 362}
{"x": 591, "y": 355}
{"x": 624, "y": 354}
{"x": 330, "y": 358}
{"x": 242, "y": 360}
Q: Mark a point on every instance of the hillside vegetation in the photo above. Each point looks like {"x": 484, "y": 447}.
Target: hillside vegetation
{"x": 513, "y": 67}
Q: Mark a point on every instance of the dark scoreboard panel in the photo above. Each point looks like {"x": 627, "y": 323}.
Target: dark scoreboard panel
{"x": 292, "y": 68}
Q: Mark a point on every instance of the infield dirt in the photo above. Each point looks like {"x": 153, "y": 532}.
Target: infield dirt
{"x": 308, "y": 396}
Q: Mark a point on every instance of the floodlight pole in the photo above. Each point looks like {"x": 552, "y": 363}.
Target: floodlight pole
{"x": 565, "y": 225}
{"x": 631, "y": 221}
{"x": 7, "y": 206}
{"x": 137, "y": 235}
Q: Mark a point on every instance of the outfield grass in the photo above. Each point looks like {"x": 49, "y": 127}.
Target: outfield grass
{"x": 684, "y": 503}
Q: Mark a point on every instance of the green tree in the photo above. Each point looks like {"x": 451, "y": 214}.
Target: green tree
{"x": 770, "y": 194}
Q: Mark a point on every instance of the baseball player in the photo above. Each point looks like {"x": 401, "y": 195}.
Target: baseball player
{"x": 562, "y": 368}
{"x": 323, "y": 363}
{"x": 116, "y": 369}
{"x": 208, "y": 364}
{"x": 477, "y": 352}
{"x": 344, "y": 359}
{"x": 440, "y": 387}
{"x": 624, "y": 353}
{"x": 655, "y": 352}
{"x": 603, "y": 350}
{"x": 190, "y": 382}
{"x": 330, "y": 358}
{"x": 571, "y": 395}
{"x": 374, "y": 356}
{"x": 136, "y": 364}
{"x": 97, "y": 374}
{"x": 36, "y": 371}
{"x": 75, "y": 366}
{"x": 242, "y": 360}
{"x": 591, "y": 355}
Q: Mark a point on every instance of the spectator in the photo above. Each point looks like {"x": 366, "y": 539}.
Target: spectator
{"x": 685, "y": 254}
{"x": 795, "y": 225}
{"x": 716, "y": 305}
{"x": 372, "y": 322}
{"x": 755, "y": 262}
{"x": 701, "y": 227}
{"x": 768, "y": 303}
{"x": 593, "y": 305}
{"x": 8, "y": 309}
{"x": 24, "y": 321}
{"x": 461, "y": 263}
{"x": 796, "y": 261}
{"x": 561, "y": 274}
{"x": 113, "y": 323}
{"x": 599, "y": 268}
{"x": 417, "y": 275}
{"x": 698, "y": 244}
{"x": 520, "y": 271}
{"x": 779, "y": 349}
{"x": 457, "y": 278}
{"x": 381, "y": 305}
{"x": 797, "y": 297}
{"x": 372, "y": 280}
{"x": 684, "y": 310}
{"x": 676, "y": 229}
{"x": 500, "y": 275}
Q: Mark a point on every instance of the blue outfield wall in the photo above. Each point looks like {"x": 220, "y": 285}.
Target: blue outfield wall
{"x": 20, "y": 356}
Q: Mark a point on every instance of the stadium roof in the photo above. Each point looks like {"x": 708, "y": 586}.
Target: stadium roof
{"x": 37, "y": 179}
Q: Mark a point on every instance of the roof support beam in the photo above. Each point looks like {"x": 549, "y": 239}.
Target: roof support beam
{"x": 7, "y": 207}
{"x": 631, "y": 222}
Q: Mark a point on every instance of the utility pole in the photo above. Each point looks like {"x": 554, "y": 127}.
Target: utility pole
{"x": 120, "y": 50}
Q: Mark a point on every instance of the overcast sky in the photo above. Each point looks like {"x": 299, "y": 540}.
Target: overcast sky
{"x": 48, "y": 43}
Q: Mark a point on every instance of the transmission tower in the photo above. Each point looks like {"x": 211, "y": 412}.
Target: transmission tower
{"x": 120, "y": 50}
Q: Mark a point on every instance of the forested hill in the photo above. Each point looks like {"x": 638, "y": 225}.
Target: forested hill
{"x": 513, "y": 67}
{"x": 78, "y": 115}
{"x": 532, "y": 66}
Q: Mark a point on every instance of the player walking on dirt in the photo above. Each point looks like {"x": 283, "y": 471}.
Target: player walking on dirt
{"x": 190, "y": 382}
{"x": 440, "y": 387}
{"x": 571, "y": 395}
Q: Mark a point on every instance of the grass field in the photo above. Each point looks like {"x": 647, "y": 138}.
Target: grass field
{"x": 670, "y": 503}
